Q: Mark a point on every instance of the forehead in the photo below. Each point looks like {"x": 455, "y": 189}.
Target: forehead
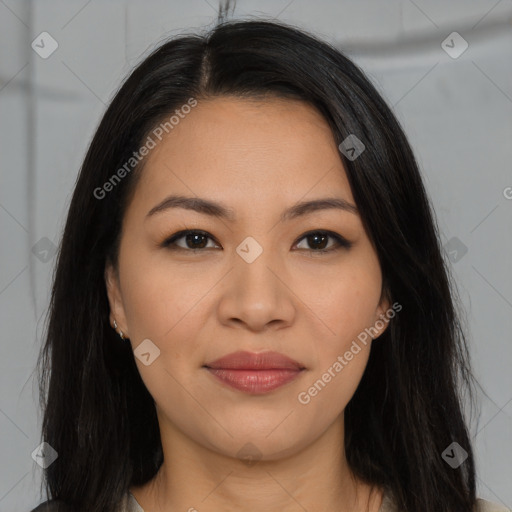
{"x": 254, "y": 149}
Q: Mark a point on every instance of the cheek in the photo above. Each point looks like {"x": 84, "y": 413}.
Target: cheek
{"x": 340, "y": 359}
{"x": 161, "y": 300}
{"x": 169, "y": 308}
{"x": 345, "y": 308}
{"x": 343, "y": 301}
{"x": 332, "y": 388}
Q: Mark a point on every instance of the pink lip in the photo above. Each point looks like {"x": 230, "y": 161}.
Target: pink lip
{"x": 255, "y": 361}
{"x": 255, "y": 373}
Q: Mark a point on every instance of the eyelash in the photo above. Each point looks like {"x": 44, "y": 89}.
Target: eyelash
{"x": 341, "y": 242}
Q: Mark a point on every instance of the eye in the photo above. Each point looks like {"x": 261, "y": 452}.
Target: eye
{"x": 318, "y": 240}
{"x": 196, "y": 240}
{"x": 193, "y": 239}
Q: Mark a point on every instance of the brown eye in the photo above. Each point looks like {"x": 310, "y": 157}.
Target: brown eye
{"x": 192, "y": 240}
{"x": 318, "y": 241}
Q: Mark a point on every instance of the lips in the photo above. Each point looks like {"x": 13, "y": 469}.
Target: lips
{"x": 255, "y": 373}
{"x": 255, "y": 361}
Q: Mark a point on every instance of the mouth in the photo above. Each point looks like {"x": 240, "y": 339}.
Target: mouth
{"x": 254, "y": 381}
{"x": 255, "y": 373}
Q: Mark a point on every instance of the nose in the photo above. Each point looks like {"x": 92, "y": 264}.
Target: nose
{"x": 257, "y": 295}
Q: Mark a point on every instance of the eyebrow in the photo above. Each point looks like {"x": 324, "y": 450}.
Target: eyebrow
{"x": 220, "y": 211}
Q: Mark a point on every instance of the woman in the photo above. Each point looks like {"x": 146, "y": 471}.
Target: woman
{"x": 250, "y": 307}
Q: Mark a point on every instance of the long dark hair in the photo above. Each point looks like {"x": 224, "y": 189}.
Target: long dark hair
{"x": 408, "y": 408}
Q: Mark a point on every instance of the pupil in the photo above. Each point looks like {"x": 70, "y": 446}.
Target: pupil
{"x": 193, "y": 237}
{"x": 316, "y": 236}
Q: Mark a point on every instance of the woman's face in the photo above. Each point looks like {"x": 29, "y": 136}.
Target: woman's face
{"x": 254, "y": 283}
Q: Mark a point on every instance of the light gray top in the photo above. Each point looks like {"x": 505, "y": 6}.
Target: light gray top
{"x": 387, "y": 505}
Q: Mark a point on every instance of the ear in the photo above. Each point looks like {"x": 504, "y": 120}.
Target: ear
{"x": 115, "y": 299}
{"x": 381, "y": 320}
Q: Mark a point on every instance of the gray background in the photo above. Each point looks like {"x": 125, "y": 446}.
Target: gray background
{"x": 456, "y": 112}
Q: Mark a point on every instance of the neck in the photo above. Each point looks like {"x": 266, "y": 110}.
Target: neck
{"x": 316, "y": 477}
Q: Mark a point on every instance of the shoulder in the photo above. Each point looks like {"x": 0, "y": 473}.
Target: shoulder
{"x": 59, "y": 506}
{"x": 489, "y": 506}
{"x": 481, "y": 506}
{"x": 52, "y": 506}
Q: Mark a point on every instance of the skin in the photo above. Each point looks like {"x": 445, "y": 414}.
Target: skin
{"x": 258, "y": 158}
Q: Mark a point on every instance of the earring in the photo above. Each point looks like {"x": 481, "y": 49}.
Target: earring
{"x": 120, "y": 332}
